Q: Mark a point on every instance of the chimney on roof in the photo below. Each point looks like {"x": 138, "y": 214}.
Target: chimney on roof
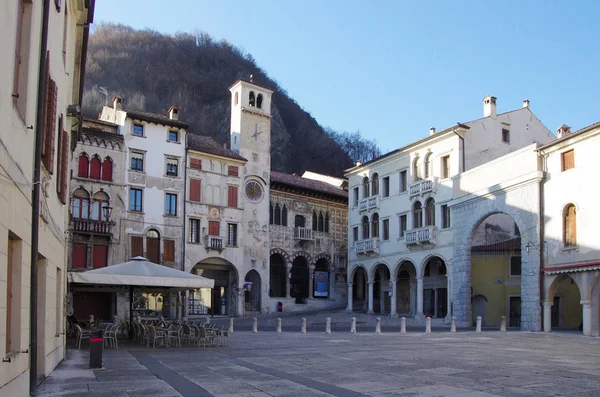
{"x": 563, "y": 131}
{"x": 489, "y": 106}
{"x": 174, "y": 112}
{"x": 526, "y": 103}
{"x": 117, "y": 102}
{"x": 358, "y": 163}
{"x": 225, "y": 145}
{"x": 431, "y": 131}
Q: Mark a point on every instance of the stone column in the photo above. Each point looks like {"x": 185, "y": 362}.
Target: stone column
{"x": 382, "y": 297}
{"x": 240, "y": 302}
{"x": 419, "y": 297}
{"x": 394, "y": 300}
{"x": 413, "y": 297}
{"x": 370, "y": 298}
{"x": 311, "y": 281}
{"x": 587, "y": 317}
{"x": 288, "y": 269}
{"x": 448, "y": 299}
{"x": 547, "y": 316}
{"x": 349, "y": 307}
{"x": 435, "y": 302}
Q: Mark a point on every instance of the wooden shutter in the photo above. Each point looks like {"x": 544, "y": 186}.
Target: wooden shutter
{"x": 79, "y": 256}
{"x": 95, "y": 168}
{"x": 568, "y": 160}
{"x": 233, "y": 171}
{"x": 50, "y": 126}
{"x": 196, "y": 164}
{"x": 232, "y": 196}
{"x": 20, "y": 12}
{"x": 107, "y": 167}
{"x": 153, "y": 249}
{"x": 195, "y": 192}
{"x": 63, "y": 164}
{"x": 84, "y": 164}
{"x": 137, "y": 246}
{"x": 570, "y": 227}
{"x": 100, "y": 256}
{"x": 213, "y": 228}
{"x": 169, "y": 250}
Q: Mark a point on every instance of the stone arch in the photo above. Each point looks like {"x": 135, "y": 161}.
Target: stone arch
{"x": 380, "y": 277}
{"x": 322, "y": 255}
{"x": 358, "y": 277}
{"x": 304, "y": 254}
{"x": 434, "y": 273}
{"x": 283, "y": 253}
{"x": 227, "y": 285}
{"x": 354, "y": 269}
{"x": 405, "y": 277}
{"x": 565, "y": 294}
{"x": 376, "y": 267}
{"x": 425, "y": 262}
{"x": 404, "y": 262}
{"x": 252, "y": 291}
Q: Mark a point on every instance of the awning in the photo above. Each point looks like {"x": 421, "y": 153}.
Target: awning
{"x": 139, "y": 272}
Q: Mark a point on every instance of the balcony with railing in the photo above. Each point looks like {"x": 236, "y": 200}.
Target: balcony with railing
{"x": 303, "y": 233}
{"x": 367, "y": 246}
{"x": 423, "y": 235}
{"x": 91, "y": 226}
{"x": 368, "y": 203}
{"x": 214, "y": 243}
{"x": 421, "y": 187}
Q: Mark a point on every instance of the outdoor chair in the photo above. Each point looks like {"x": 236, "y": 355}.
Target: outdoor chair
{"x": 204, "y": 337}
{"x": 187, "y": 333}
{"x": 155, "y": 335}
{"x": 174, "y": 333}
{"x": 81, "y": 334}
{"x": 111, "y": 335}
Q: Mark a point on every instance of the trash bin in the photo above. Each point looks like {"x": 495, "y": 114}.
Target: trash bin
{"x": 96, "y": 348}
{"x": 279, "y": 306}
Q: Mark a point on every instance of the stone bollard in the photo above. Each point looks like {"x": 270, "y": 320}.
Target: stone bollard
{"x": 503, "y": 324}
{"x": 453, "y": 325}
{"x": 255, "y": 325}
{"x": 378, "y": 326}
{"x": 478, "y": 328}
{"x": 428, "y": 325}
{"x": 328, "y": 325}
{"x": 231, "y": 325}
{"x": 403, "y": 325}
{"x": 303, "y": 329}
{"x": 207, "y": 320}
{"x": 353, "y": 326}
{"x": 278, "y": 325}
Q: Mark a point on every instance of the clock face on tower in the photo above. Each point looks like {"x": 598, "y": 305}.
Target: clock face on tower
{"x": 258, "y": 137}
{"x": 254, "y": 191}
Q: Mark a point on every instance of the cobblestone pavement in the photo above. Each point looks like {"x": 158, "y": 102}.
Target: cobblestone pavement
{"x": 464, "y": 364}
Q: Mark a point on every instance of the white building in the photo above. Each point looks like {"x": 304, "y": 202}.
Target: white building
{"x": 401, "y": 232}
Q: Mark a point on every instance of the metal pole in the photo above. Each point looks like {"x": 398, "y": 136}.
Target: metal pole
{"x": 130, "y": 311}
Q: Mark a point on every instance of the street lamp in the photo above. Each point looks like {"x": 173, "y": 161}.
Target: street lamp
{"x": 107, "y": 211}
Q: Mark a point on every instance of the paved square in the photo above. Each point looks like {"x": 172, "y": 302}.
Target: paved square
{"x": 465, "y": 364}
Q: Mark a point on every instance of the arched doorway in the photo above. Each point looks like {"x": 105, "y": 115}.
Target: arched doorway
{"x": 496, "y": 271}
{"x": 153, "y": 246}
{"x": 277, "y": 276}
{"x": 381, "y": 288}
{"x": 435, "y": 288}
{"x": 406, "y": 289}
{"x": 565, "y": 297}
{"x": 359, "y": 289}
{"x": 299, "y": 279}
{"x": 220, "y": 300}
{"x": 252, "y": 288}
{"x": 321, "y": 279}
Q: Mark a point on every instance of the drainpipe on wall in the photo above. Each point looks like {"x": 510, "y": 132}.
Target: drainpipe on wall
{"x": 35, "y": 200}
{"x": 183, "y": 235}
{"x": 541, "y": 237}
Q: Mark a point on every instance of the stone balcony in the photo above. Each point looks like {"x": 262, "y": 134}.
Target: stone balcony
{"x": 303, "y": 233}
{"x": 367, "y": 246}
{"x": 368, "y": 203}
{"x": 421, "y": 187}
{"x": 91, "y": 226}
{"x": 423, "y": 235}
{"x": 214, "y": 243}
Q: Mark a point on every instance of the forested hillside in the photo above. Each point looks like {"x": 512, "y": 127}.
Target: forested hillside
{"x": 153, "y": 71}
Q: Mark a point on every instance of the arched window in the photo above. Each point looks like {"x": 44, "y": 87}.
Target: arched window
{"x": 365, "y": 187}
{"x": 251, "y": 99}
{"x": 284, "y": 216}
{"x": 570, "y": 226}
{"x": 259, "y": 99}
{"x": 417, "y": 215}
{"x": 320, "y": 221}
{"x": 270, "y": 213}
{"x": 326, "y": 222}
{"x": 375, "y": 184}
{"x": 95, "y": 166}
{"x": 430, "y": 212}
{"x": 427, "y": 166}
{"x": 416, "y": 174}
{"x": 365, "y": 227}
{"x": 81, "y": 204}
{"x": 84, "y": 166}
{"x": 99, "y": 203}
{"x": 299, "y": 221}
{"x": 107, "y": 167}
{"x": 235, "y": 99}
{"x": 375, "y": 225}
{"x": 314, "y": 221}
{"x": 277, "y": 215}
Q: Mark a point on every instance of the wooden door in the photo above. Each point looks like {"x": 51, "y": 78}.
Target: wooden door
{"x": 153, "y": 249}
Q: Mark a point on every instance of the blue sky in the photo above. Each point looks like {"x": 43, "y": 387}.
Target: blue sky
{"x": 392, "y": 69}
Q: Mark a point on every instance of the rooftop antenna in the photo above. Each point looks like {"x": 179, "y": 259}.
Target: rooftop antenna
{"x": 105, "y": 92}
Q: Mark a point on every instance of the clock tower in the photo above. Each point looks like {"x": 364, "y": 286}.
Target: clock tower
{"x": 251, "y": 138}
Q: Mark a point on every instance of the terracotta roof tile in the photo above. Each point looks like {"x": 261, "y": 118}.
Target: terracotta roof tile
{"x": 309, "y": 184}
{"x": 156, "y": 118}
{"x": 101, "y": 133}
{"x": 208, "y": 145}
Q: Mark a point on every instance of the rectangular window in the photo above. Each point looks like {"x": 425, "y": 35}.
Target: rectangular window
{"x": 233, "y": 171}
{"x": 402, "y": 220}
{"x": 137, "y": 161}
{"x": 196, "y": 164}
{"x": 194, "y": 231}
{"x": 13, "y": 294}
{"x": 49, "y": 137}
{"x": 168, "y": 250}
{"x": 386, "y": 229}
{"x": 21, "y": 61}
{"x": 445, "y": 164}
{"x": 515, "y": 266}
{"x": 171, "y": 204}
{"x": 568, "y": 160}
{"x": 62, "y": 161}
{"x": 138, "y": 130}
{"x": 137, "y": 246}
{"x": 172, "y": 167}
{"x": 135, "y": 200}
{"x": 232, "y": 196}
{"x": 445, "y": 216}
{"x": 403, "y": 186}
{"x": 355, "y": 190}
{"x": 195, "y": 190}
{"x": 173, "y": 136}
{"x": 213, "y": 228}
{"x": 232, "y": 234}
{"x": 386, "y": 186}
{"x": 355, "y": 233}
{"x": 505, "y": 135}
